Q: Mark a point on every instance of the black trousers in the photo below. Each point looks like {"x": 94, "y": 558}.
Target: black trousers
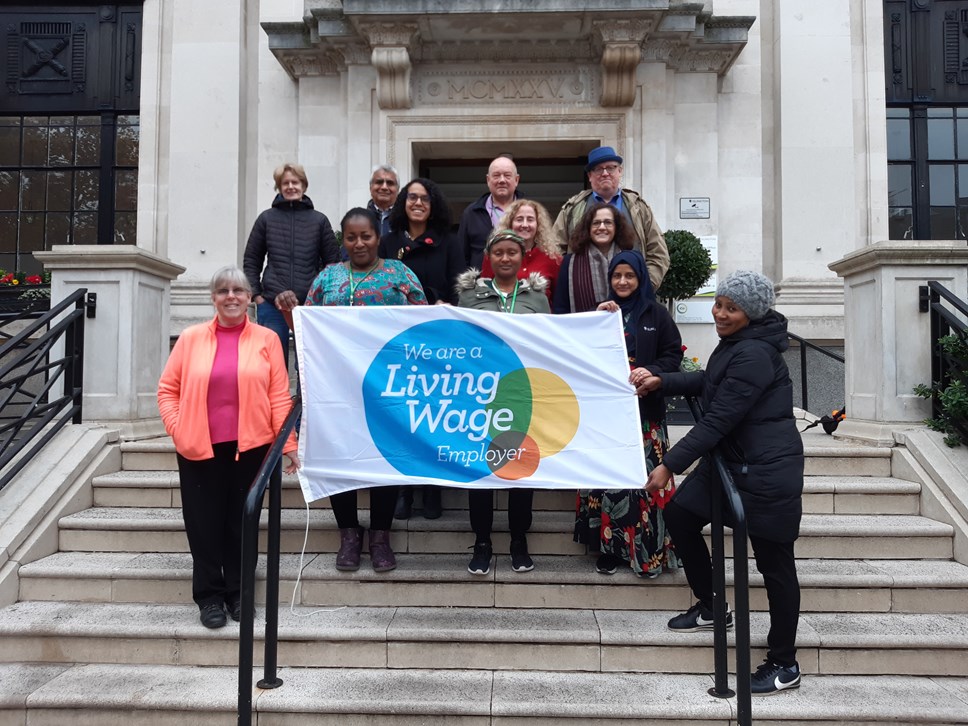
{"x": 774, "y": 560}
{"x": 481, "y": 505}
{"x": 213, "y": 494}
{"x": 383, "y": 500}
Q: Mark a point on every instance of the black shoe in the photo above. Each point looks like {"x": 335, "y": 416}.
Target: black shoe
{"x": 520, "y": 559}
{"x": 235, "y": 609}
{"x": 212, "y": 616}
{"x": 772, "y": 678}
{"x": 480, "y": 563}
{"x": 404, "y": 504}
{"x": 698, "y": 617}
{"x": 431, "y": 503}
{"x": 607, "y": 564}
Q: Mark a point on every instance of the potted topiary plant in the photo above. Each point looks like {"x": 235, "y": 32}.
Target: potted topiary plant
{"x": 689, "y": 267}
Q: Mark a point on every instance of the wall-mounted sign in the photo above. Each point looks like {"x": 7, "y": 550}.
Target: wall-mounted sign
{"x": 693, "y": 311}
{"x": 693, "y": 207}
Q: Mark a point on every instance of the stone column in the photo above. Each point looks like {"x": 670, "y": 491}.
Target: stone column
{"x": 126, "y": 343}
{"x": 887, "y": 339}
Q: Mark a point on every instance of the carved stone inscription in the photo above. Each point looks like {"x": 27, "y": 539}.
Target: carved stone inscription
{"x": 506, "y": 86}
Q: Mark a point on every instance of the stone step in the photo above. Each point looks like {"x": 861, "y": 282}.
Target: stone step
{"x": 474, "y": 638}
{"x": 176, "y": 695}
{"x": 859, "y": 495}
{"x": 160, "y": 529}
{"x": 831, "y": 458}
{"x": 864, "y": 586}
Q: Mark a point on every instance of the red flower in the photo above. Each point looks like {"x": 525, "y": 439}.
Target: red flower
{"x": 33, "y": 280}
{"x": 6, "y": 279}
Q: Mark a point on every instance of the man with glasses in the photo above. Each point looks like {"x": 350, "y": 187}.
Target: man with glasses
{"x": 384, "y": 184}
{"x": 604, "y": 171}
{"x": 481, "y": 216}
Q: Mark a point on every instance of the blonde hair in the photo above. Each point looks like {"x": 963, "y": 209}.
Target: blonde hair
{"x": 544, "y": 238}
{"x": 296, "y": 169}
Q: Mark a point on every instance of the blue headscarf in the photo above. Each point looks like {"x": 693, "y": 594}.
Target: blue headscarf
{"x": 635, "y": 304}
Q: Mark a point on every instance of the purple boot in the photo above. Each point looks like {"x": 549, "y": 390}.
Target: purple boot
{"x": 380, "y": 553}
{"x": 350, "y": 546}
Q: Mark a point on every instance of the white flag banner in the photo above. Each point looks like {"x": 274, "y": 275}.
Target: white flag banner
{"x": 444, "y": 395}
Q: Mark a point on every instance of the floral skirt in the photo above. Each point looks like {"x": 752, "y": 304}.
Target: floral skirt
{"x": 628, "y": 523}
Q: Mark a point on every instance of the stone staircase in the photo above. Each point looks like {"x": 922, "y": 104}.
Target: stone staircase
{"x": 105, "y": 632}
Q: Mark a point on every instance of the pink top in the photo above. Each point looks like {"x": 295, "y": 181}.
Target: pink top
{"x": 223, "y": 386}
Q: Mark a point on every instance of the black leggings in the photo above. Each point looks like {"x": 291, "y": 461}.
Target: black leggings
{"x": 383, "y": 500}
{"x": 481, "y": 505}
{"x": 774, "y": 560}
{"x": 213, "y": 492}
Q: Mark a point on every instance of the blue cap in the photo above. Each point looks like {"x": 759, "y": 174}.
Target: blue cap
{"x": 601, "y": 155}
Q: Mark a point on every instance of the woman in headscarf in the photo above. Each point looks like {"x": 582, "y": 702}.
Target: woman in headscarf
{"x": 505, "y": 292}
{"x": 626, "y": 526}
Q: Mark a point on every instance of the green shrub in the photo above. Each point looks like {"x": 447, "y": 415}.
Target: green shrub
{"x": 952, "y": 421}
{"x": 689, "y": 266}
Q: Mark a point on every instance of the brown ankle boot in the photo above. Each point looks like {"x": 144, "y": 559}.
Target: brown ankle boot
{"x": 350, "y": 546}
{"x": 380, "y": 553}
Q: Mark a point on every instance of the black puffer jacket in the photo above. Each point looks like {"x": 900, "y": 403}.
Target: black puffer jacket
{"x": 658, "y": 347}
{"x": 298, "y": 242}
{"x": 747, "y": 401}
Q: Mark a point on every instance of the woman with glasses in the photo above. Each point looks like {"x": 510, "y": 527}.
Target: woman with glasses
{"x": 421, "y": 239}
{"x": 223, "y": 397}
{"x": 583, "y": 282}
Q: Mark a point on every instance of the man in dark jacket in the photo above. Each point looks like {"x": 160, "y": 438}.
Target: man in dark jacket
{"x": 294, "y": 242}
{"x": 384, "y": 185}
{"x": 480, "y": 217}
{"x": 747, "y": 401}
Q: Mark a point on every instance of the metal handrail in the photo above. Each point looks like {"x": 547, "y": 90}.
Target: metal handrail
{"x": 269, "y": 476}
{"x": 741, "y": 613}
{"x": 804, "y": 345}
{"x": 24, "y": 358}
{"x": 943, "y": 322}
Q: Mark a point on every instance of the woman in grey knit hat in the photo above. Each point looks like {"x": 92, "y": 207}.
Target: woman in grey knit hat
{"x": 747, "y": 402}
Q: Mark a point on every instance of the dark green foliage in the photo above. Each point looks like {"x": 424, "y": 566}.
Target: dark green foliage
{"x": 953, "y": 397}
{"x": 689, "y": 266}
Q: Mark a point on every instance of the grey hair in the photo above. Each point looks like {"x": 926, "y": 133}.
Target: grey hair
{"x": 387, "y": 168}
{"x": 230, "y": 274}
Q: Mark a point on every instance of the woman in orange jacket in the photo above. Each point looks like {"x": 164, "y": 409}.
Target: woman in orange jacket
{"x": 223, "y": 396}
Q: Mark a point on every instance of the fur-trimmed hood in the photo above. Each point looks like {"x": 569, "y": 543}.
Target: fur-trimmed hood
{"x": 472, "y": 278}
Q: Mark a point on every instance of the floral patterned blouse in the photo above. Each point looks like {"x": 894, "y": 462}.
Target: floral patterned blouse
{"x": 389, "y": 282}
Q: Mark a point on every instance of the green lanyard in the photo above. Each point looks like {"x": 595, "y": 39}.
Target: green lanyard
{"x": 504, "y": 298}
{"x": 354, "y": 282}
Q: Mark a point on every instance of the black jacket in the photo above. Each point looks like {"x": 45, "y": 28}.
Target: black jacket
{"x": 295, "y": 242}
{"x": 475, "y": 228}
{"x": 747, "y": 399}
{"x": 658, "y": 347}
{"x": 434, "y": 258}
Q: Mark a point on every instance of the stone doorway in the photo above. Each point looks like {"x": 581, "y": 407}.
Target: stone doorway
{"x": 551, "y": 172}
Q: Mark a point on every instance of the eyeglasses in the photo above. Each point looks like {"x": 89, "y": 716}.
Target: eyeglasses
{"x": 602, "y": 223}
{"x": 414, "y": 197}
{"x": 610, "y": 169}
{"x": 383, "y": 183}
{"x": 237, "y": 291}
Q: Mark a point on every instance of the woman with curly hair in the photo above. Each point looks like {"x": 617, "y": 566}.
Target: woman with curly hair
{"x": 420, "y": 238}
{"x": 530, "y": 221}
{"x": 583, "y": 282}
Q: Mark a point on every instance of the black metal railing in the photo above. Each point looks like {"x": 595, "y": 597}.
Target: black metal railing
{"x": 944, "y": 321}
{"x": 741, "y": 591}
{"x": 804, "y": 346}
{"x": 30, "y": 369}
{"x": 269, "y": 476}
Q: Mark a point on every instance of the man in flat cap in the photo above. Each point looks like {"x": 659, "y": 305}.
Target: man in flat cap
{"x": 604, "y": 171}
